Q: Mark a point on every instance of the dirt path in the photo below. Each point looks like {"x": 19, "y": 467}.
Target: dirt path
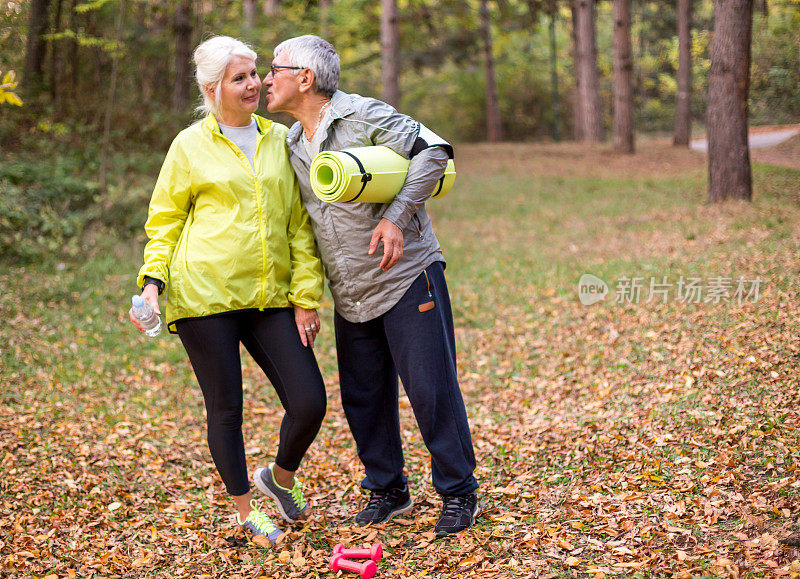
{"x": 786, "y": 154}
{"x": 653, "y": 156}
{"x": 758, "y": 138}
{"x": 776, "y": 145}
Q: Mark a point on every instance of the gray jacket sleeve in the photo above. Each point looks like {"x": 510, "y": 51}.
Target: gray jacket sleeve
{"x": 427, "y": 151}
{"x": 426, "y": 168}
{"x": 385, "y": 126}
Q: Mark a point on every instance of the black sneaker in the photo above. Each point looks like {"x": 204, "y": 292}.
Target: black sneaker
{"x": 383, "y": 505}
{"x": 458, "y": 513}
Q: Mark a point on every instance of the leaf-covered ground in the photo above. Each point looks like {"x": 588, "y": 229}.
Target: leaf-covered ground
{"x": 630, "y": 437}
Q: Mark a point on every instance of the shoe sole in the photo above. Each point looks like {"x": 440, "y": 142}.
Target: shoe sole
{"x": 476, "y": 511}
{"x": 404, "y": 509}
{"x": 267, "y": 491}
{"x": 252, "y": 535}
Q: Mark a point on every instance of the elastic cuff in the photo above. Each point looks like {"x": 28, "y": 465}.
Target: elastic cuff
{"x": 235, "y": 492}
{"x": 296, "y": 466}
{"x": 398, "y": 216}
{"x": 160, "y": 285}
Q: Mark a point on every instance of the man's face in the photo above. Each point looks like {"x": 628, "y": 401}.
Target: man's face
{"x": 281, "y": 83}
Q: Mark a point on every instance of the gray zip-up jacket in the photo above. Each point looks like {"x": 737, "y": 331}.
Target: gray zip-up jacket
{"x": 361, "y": 290}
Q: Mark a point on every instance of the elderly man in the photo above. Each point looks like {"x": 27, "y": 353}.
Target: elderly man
{"x": 392, "y": 311}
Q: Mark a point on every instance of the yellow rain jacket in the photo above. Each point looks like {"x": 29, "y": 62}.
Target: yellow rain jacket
{"x": 224, "y": 237}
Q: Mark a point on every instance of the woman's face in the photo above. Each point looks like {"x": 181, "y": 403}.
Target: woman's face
{"x": 239, "y": 92}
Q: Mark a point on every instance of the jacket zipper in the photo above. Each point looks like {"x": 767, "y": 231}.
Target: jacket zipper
{"x": 415, "y": 217}
{"x": 257, "y": 192}
{"x": 261, "y": 230}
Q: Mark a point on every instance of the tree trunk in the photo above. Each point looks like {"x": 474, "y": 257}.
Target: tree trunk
{"x": 33, "y": 71}
{"x": 586, "y": 77}
{"x": 390, "y": 53}
{"x": 95, "y": 71}
{"x": 56, "y": 62}
{"x": 74, "y": 57}
{"x": 729, "y": 174}
{"x": 493, "y": 128}
{"x": 181, "y": 89}
{"x": 324, "y": 17}
{"x": 683, "y": 107}
{"x": 271, "y": 7}
{"x": 577, "y": 111}
{"x": 111, "y": 97}
{"x": 249, "y": 12}
{"x": 623, "y": 72}
{"x": 554, "y": 71}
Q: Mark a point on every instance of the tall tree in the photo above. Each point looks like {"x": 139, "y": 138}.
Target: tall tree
{"x": 577, "y": 111}
{"x": 56, "y": 63}
{"x": 729, "y": 175}
{"x": 588, "y": 113}
{"x": 325, "y": 17}
{"x": 73, "y": 53}
{"x": 390, "y": 53}
{"x": 271, "y": 7}
{"x": 553, "y": 13}
{"x": 249, "y": 12}
{"x": 112, "y": 91}
{"x": 182, "y": 26}
{"x": 493, "y": 128}
{"x": 623, "y": 72}
{"x": 33, "y": 71}
{"x": 683, "y": 107}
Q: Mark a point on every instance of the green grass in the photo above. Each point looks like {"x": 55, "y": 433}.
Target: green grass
{"x": 540, "y": 234}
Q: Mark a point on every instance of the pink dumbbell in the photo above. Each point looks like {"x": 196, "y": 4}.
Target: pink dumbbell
{"x": 366, "y": 570}
{"x": 375, "y": 552}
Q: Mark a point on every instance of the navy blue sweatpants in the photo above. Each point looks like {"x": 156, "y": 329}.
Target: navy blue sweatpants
{"x": 420, "y": 347}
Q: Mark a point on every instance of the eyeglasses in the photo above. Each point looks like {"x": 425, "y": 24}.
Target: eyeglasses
{"x": 274, "y": 67}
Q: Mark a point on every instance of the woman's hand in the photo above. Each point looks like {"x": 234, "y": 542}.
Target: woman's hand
{"x": 150, "y": 294}
{"x": 307, "y": 325}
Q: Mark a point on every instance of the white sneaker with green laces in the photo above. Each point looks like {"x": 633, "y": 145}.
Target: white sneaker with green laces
{"x": 258, "y": 523}
{"x": 291, "y": 502}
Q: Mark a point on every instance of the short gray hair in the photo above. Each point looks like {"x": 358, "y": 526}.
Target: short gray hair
{"x": 212, "y": 58}
{"x": 319, "y": 55}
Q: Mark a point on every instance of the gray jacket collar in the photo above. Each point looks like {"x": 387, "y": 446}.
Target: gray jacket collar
{"x": 341, "y": 106}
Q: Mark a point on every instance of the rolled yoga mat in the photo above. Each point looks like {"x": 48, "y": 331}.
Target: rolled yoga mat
{"x": 366, "y": 174}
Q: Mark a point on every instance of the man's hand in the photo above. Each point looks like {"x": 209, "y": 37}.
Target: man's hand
{"x": 392, "y": 238}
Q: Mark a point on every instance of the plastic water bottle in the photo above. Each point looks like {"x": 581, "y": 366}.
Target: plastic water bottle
{"x": 144, "y": 312}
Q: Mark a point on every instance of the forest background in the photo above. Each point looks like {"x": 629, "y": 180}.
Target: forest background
{"x": 637, "y": 436}
{"x": 109, "y": 82}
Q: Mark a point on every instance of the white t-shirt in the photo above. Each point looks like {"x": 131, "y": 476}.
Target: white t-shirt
{"x": 246, "y": 138}
{"x": 312, "y": 146}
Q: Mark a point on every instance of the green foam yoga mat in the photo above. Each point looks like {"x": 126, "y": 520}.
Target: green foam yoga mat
{"x": 366, "y": 174}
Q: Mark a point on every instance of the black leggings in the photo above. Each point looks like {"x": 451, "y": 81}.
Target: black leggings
{"x": 271, "y": 338}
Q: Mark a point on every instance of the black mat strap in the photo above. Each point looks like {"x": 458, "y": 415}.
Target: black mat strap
{"x": 365, "y": 177}
{"x": 439, "y": 188}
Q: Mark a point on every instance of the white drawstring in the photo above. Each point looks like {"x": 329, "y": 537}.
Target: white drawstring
{"x": 416, "y": 123}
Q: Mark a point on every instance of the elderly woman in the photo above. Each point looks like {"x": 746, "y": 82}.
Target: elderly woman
{"x": 231, "y": 242}
{"x": 393, "y": 313}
